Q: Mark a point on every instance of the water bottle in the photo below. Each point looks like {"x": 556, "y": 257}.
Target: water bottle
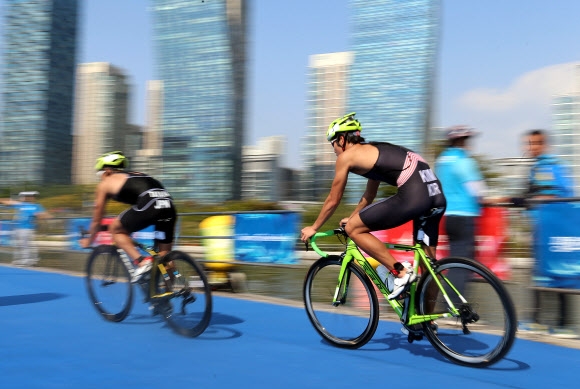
{"x": 383, "y": 273}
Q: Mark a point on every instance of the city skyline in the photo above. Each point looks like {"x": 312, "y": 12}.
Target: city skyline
{"x": 499, "y": 65}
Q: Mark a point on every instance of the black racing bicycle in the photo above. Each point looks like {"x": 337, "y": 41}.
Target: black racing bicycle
{"x": 176, "y": 288}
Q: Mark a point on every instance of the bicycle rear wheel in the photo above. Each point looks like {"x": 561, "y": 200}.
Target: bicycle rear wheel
{"x": 186, "y": 301}
{"x": 351, "y": 322}
{"x": 109, "y": 283}
{"x": 485, "y": 331}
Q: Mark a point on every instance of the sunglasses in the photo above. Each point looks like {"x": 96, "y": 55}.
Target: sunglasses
{"x": 332, "y": 142}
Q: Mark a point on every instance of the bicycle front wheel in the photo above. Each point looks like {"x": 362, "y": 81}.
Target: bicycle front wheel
{"x": 485, "y": 330}
{"x": 352, "y": 320}
{"x": 186, "y": 303}
{"x": 109, "y": 283}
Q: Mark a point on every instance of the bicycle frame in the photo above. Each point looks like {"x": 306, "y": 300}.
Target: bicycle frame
{"x": 131, "y": 269}
{"x": 405, "y": 309}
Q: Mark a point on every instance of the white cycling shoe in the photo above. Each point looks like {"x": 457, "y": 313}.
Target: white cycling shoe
{"x": 144, "y": 268}
{"x": 397, "y": 285}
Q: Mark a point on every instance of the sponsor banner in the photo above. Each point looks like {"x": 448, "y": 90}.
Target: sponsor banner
{"x": 266, "y": 237}
{"x": 557, "y": 245}
{"x": 491, "y": 232}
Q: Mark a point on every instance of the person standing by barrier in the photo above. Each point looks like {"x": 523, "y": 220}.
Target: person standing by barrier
{"x": 549, "y": 178}
{"x": 464, "y": 188}
{"x": 26, "y": 214}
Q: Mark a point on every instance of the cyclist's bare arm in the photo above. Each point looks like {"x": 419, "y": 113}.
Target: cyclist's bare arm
{"x": 101, "y": 197}
{"x": 332, "y": 200}
{"x": 366, "y": 199}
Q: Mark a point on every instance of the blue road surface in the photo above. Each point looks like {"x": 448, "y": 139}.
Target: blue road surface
{"x": 53, "y": 338}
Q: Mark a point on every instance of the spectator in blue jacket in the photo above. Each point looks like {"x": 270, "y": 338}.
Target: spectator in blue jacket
{"x": 549, "y": 178}
{"x": 464, "y": 189}
{"x": 26, "y": 213}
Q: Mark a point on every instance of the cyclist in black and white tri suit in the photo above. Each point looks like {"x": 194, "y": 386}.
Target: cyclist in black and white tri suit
{"x": 419, "y": 197}
{"x": 151, "y": 205}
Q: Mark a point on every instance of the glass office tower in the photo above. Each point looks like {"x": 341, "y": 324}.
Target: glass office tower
{"x": 565, "y": 140}
{"x": 327, "y": 92}
{"x": 393, "y": 72}
{"x": 39, "y": 57}
{"x": 100, "y": 119}
{"x": 200, "y": 58}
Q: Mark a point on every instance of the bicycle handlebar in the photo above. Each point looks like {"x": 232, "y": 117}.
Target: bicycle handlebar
{"x": 336, "y": 231}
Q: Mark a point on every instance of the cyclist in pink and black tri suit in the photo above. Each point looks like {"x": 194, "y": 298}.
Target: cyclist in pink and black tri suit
{"x": 151, "y": 205}
{"x": 419, "y": 197}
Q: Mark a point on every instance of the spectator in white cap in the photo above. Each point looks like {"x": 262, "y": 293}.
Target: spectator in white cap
{"x": 26, "y": 213}
{"x": 464, "y": 187}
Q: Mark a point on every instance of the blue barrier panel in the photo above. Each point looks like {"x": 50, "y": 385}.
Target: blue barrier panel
{"x": 557, "y": 245}
{"x": 265, "y": 237}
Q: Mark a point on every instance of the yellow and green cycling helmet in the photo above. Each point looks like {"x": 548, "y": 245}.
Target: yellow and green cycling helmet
{"x": 114, "y": 159}
{"x": 347, "y": 123}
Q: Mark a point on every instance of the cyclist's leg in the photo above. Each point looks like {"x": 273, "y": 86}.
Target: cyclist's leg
{"x": 122, "y": 239}
{"x": 428, "y": 227}
{"x": 381, "y": 215}
{"x": 128, "y": 222}
{"x": 370, "y": 244}
{"x": 432, "y": 290}
{"x": 165, "y": 227}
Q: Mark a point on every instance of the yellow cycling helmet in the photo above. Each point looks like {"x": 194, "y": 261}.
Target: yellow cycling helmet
{"x": 347, "y": 123}
{"x": 114, "y": 159}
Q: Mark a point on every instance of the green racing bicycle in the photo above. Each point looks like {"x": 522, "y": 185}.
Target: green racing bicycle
{"x": 462, "y": 308}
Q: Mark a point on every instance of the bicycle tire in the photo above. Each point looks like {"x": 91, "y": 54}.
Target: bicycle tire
{"x": 188, "y": 307}
{"x": 109, "y": 283}
{"x": 489, "y": 313}
{"x": 353, "y": 322}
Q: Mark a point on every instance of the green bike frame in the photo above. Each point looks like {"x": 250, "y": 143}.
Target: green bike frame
{"x": 405, "y": 309}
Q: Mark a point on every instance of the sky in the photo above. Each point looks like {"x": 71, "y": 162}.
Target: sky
{"x": 500, "y": 62}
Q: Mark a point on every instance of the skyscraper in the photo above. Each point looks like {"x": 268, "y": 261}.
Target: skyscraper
{"x": 262, "y": 174}
{"x": 149, "y": 159}
{"x": 392, "y": 78}
{"x": 100, "y": 121}
{"x": 327, "y": 93}
{"x": 200, "y": 51}
{"x": 565, "y": 141}
{"x": 393, "y": 74}
{"x": 38, "y": 69}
